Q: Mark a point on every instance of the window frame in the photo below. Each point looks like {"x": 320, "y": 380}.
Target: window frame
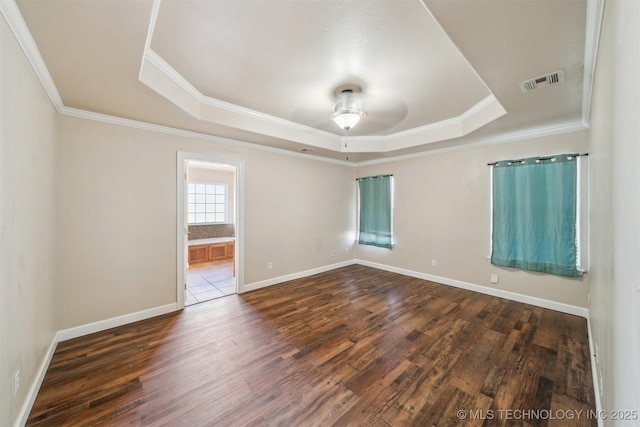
{"x": 225, "y": 203}
{"x": 391, "y": 211}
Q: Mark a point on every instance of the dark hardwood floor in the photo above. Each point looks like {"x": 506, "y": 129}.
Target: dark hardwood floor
{"x": 353, "y": 346}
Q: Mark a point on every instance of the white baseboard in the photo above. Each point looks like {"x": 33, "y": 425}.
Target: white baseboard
{"x": 540, "y": 302}
{"x": 594, "y": 373}
{"x": 102, "y": 325}
{"x": 79, "y": 331}
{"x": 293, "y": 276}
{"x": 23, "y": 415}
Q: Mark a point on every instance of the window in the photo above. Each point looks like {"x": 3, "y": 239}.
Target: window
{"x": 207, "y": 203}
{"x": 535, "y": 219}
{"x": 376, "y": 211}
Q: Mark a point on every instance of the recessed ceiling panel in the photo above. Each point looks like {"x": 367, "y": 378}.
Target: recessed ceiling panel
{"x": 427, "y": 83}
{"x": 285, "y": 59}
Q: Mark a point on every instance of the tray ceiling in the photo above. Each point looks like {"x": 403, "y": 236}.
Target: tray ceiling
{"x": 433, "y": 74}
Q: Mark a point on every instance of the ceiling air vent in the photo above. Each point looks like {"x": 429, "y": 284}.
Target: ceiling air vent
{"x": 542, "y": 81}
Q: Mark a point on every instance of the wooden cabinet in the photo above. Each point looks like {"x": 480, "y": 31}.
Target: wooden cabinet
{"x": 231, "y": 249}
{"x": 198, "y": 253}
{"x": 211, "y": 252}
{"x": 217, "y": 251}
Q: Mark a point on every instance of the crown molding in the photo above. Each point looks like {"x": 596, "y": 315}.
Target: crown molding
{"x": 475, "y": 117}
{"x": 18, "y": 26}
{"x": 161, "y": 77}
{"x": 151, "y": 57}
{"x": 568, "y": 127}
{"x": 595, "y": 13}
{"x": 178, "y": 79}
{"x": 15, "y": 21}
{"x": 505, "y": 138}
{"x": 167, "y": 130}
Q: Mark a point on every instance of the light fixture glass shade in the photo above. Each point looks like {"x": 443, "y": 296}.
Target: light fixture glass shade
{"x": 347, "y": 118}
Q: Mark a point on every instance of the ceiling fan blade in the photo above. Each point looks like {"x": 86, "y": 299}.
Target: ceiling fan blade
{"x": 381, "y": 113}
{"x": 316, "y": 118}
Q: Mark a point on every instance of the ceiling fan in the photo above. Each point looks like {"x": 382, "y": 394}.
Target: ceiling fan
{"x": 354, "y": 112}
{"x": 347, "y": 114}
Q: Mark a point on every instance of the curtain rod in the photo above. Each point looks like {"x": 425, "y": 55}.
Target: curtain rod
{"x": 537, "y": 158}
{"x": 374, "y": 176}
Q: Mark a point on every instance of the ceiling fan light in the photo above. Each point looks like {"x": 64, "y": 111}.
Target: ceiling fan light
{"x": 347, "y": 118}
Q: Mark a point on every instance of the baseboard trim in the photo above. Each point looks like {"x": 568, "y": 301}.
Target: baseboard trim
{"x": 102, "y": 325}
{"x": 76, "y": 332}
{"x": 594, "y": 373}
{"x": 293, "y": 276}
{"x": 113, "y": 322}
{"x": 23, "y": 415}
{"x": 540, "y": 302}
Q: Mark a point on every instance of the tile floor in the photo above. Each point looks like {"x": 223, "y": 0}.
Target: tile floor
{"x": 207, "y": 281}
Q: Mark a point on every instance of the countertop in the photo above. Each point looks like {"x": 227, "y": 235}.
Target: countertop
{"x": 212, "y": 240}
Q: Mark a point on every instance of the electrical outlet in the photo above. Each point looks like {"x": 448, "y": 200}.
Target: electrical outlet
{"x": 16, "y": 382}
{"x": 270, "y": 266}
{"x": 333, "y": 253}
{"x": 346, "y": 250}
{"x": 434, "y": 263}
{"x": 494, "y": 278}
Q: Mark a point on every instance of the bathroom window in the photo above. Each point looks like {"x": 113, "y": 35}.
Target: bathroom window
{"x": 207, "y": 203}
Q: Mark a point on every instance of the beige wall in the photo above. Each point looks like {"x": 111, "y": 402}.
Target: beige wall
{"x": 89, "y": 234}
{"x": 296, "y": 213}
{"x": 442, "y": 208}
{"x": 615, "y": 208}
{"x": 27, "y": 224}
{"x": 118, "y": 217}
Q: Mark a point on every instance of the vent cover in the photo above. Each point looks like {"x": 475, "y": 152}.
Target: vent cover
{"x": 542, "y": 81}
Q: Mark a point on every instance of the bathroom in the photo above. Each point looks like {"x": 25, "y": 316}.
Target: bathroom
{"x": 211, "y": 233}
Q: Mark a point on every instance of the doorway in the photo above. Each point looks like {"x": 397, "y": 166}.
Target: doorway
{"x": 209, "y": 228}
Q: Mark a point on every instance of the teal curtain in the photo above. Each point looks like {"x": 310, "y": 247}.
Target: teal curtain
{"x": 534, "y": 214}
{"x": 375, "y": 211}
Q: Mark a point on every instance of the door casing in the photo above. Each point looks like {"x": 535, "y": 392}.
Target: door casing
{"x": 181, "y": 232}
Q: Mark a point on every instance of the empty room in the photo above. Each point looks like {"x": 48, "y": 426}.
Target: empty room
{"x": 314, "y": 213}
